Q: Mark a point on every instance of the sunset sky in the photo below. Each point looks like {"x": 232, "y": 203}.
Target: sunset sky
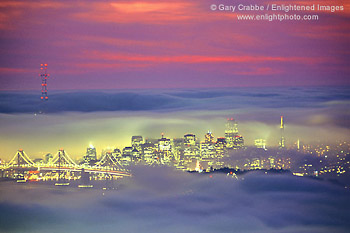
{"x": 167, "y": 44}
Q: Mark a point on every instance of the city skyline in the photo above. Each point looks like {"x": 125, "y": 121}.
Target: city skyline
{"x": 196, "y": 139}
{"x": 312, "y": 115}
{"x": 222, "y": 154}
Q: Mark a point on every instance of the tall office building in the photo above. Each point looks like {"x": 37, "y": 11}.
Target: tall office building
{"x": 90, "y": 154}
{"x": 233, "y": 140}
{"x": 178, "y": 149}
{"x": 220, "y": 147}
{"x": 189, "y": 139}
{"x": 149, "y": 153}
{"x": 165, "y": 150}
{"x": 260, "y": 143}
{"x": 191, "y": 147}
{"x": 164, "y": 144}
{"x": 209, "y": 137}
{"x": 239, "y": 142}
{"x": 207, "y": 150}
{"x": 117, "y": 153}
{"x": 282, "y": 140}
{"x": 126, "y": 158}
{"x": 127, "y": 151}
{"x": 136, "y": 142}
{"x": 231, "y": 131}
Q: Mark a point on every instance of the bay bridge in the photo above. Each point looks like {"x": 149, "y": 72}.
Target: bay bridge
{"x": 62, "y": 169}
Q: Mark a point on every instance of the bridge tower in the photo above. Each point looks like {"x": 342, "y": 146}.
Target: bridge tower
{"x": 44, "y": 75}
{"x": 109, "y": 161}
{"x": 62, "y": 158}
{"x": 20, "y": 162}
{"x": 21, "y": 159}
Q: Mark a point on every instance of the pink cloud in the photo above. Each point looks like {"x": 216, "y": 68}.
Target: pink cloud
{"x": 113, "y": 41}
{"x": 32, "y": 4}
{"x": 6, "y": 70}
{"x": 13, "y": 12}
{"x": 260, "y": 71}
{"x": 189, "y": 59}
{"x": 141, "y": 12}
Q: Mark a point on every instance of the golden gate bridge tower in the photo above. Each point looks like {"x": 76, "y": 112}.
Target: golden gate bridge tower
{"x": 44, "y": 75}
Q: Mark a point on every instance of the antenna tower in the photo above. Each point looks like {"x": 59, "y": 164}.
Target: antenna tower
{"x": 44, "y": 75}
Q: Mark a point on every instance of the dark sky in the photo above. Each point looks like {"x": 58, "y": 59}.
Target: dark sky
{"x": 167, "y": 44}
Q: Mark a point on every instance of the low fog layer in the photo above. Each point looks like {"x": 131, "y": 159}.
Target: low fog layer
{"x": 162, "y": 200}
{"x": 173, "y": 99}
{"x": 73, "y": 120}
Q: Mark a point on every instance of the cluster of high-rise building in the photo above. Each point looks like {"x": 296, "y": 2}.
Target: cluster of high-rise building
{"x": 190, "y": 153}
{"x": 187, "y": 152}
{"x": 183, "y": 153}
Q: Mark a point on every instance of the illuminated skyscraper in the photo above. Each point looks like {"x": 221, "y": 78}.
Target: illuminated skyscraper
{"x": 90, "y": 154}
{"x": 164, "y": 148}
{"x": 282, "y": 140}
{"x": 207, "y": 150}
{"x": 191, "y": 147}
{"x": 298, "y": 144}
{"x": 178, "y": 149}
{"x": 230, "y": 132}
{"x": 260, "y": 143}
{"x": 239, "y": 142}
{"x": 117, "y": 154}
{"x": 164, "y": 144}
{"x": 209, "y": 137}
{"x": 220, "y": 147}
{"x": 126, "y": 156}
{"x": 136, "y": 142}
{"x": 233, "y": 140}
{"x": 149, "y": 152}
{"x": 189, "y": 139}
{"x": 136, "y": 155}
{"x": 127, "y": 152}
